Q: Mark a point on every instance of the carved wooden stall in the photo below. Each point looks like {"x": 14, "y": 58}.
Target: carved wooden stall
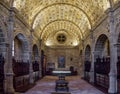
{"x": 118, "y": 74}
{"x": 43, "y": 63}
{"x": 21, "y": 75}
{"x": 87, "y": 67}
{"x": 102, "y": 69}
{"x": 36, "y": 70}
{"x": 1, "y": 74}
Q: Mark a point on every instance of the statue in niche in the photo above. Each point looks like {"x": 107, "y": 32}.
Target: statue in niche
{"x": 61, "y": 62}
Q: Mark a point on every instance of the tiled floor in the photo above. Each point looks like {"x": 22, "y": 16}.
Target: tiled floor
{"x": 76, "y": 86}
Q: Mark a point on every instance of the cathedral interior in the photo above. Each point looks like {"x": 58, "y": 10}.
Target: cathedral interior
{"x": 44, "y": 40}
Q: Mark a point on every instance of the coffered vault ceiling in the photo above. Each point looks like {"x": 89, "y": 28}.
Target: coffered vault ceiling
{"x": 74, "y": 18}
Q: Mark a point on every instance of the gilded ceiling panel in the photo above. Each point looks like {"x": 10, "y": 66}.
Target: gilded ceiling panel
{"x": 115, "y": 1}
{"x": 47, "y": 17}
{"x": 31, "y": 8}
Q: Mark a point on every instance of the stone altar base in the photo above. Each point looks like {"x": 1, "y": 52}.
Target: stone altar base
{"x": 60, "y": 93}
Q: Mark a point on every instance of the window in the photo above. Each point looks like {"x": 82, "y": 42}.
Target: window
{"x": 61, "y": 38}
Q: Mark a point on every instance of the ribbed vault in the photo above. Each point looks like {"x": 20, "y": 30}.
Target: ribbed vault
{"x": 75, "y": 17}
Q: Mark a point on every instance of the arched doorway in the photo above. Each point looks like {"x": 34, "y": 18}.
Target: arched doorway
{"x": 102, "y": 48}
{"x": 102, "y": 61}
{"x": 2, "y": 54}
{"x": 20, "y": 63}
{"x": 87, "y": 53}
{"x": 21, "y": 51}
{"x": 35, "y": 53}
{"x": 87, "y": 63}
{"x": 36, "y": 66}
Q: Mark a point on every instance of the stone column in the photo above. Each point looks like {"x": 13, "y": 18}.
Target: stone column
{"x": 92, "y": 60}
{"x": 80, "y": 65}
{"x": 113, "y": 55}
{"x": 30, "y": 60}
{"x": 40, "y": 66}
{"x": 8, "y": 85}
{"x": 83, "y": 56}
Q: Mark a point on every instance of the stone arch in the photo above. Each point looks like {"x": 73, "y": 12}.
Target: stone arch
{"x": 87, "y": 53}
{"x": 102, "y": 47}
{"x": 21, "y": 48}
{"x": 35, "y": 52}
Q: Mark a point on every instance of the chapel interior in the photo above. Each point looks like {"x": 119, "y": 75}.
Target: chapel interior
{"x": 44, "y": 43}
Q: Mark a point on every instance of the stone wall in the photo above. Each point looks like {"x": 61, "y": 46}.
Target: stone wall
{"x": 71, "y": 57}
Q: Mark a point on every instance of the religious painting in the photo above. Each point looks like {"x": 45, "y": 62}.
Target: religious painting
{"x": 61, "y": 62}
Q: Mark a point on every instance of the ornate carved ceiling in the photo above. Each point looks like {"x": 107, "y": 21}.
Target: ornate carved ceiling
{"x": 74, "y": 17}
{"x": 115, "y": 1}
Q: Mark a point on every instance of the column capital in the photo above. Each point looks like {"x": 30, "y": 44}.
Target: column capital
{"x": 11, "y": 9}
{"x": 110, "y": 13}
{"x": 11, "y": 14}
{"x": 109, "y": 10}
{"x": 91, "y": 35}
{"x": 82, "y": 42}
{"x": 91, "y": 30}
{"x": 11, "y": 3}
{"x": 40, "y": 40}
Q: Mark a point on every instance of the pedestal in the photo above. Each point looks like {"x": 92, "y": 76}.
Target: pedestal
{"x": 8, "y": 84}
{"x": 113, "y": 84}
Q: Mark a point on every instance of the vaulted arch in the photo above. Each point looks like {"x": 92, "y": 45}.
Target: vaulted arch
{"x": 102, "y": 46}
